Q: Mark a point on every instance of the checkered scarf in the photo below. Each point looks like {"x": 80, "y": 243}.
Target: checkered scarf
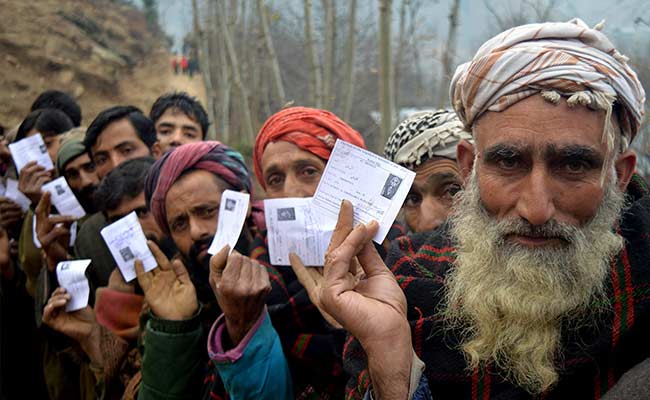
{"x": 424, "y": 135}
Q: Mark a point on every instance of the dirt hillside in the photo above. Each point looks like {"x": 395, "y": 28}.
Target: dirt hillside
{"x": 100, "y": 51}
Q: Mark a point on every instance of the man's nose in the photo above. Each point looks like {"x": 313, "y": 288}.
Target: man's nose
{"x": 199, "y": 230}
{"x": 433, "y": 213}
{"x": 294, "y": 188}
{"x": 536, "y": 203}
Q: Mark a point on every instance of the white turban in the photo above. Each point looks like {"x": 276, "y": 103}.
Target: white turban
{"x": 559, "y": 58}
{"x": 424, "y": 135}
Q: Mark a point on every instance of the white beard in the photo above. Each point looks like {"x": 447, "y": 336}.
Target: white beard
{"x": 509, "y": 301}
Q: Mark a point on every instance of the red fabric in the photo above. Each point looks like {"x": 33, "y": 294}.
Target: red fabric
{"x": 165, "y": 171}
{"x": 119, "y": 312}
{"x": 310, "y": 129}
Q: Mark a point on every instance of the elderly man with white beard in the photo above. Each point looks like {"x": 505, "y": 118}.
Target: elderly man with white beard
{"x": 538, "y": 285}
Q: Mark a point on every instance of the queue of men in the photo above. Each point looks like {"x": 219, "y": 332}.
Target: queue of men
{"x": 517, "y": 268}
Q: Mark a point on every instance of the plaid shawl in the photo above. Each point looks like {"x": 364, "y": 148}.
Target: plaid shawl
{"x": 594, "y": 357}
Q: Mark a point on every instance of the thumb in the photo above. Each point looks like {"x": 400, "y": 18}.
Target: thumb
{"x": 218, "y": 264}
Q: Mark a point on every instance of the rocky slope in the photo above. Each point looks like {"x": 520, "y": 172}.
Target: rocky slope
{"x": 100, "y": 51}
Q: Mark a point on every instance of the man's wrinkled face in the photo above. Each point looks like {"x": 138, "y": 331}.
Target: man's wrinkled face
{"x": 539, "y": 162}
{"x": 192, "y": 206}
{"x": 290, "y": 171}
{"x": 534, "y": 229}
{"x": 83, "y": 180}
{"x": 175, "y": 128}
{"x": 117, "y": 143}
{"x": 431, "y": 196}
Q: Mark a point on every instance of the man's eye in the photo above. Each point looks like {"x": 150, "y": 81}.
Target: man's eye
{"x": 575, "y": 167}
{"x": 100, "y": 160}
{"x": 310, "y": 171}
{"x": 89, "y": 168}
{"x": 508, "y": 163}
{"x": 71, "y": 175}
{"x": 190, "y": 135}
{"x": 274, "y": 180}
{"x": 164, "y": 132}
{"x": 452, "y": 189}
{"x": 127, "y": 150}
{"x": 413, "y": 200}
{"x": 179, "y": 225}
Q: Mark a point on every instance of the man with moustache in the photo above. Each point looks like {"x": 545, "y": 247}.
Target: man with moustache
{"x": 426, "y": 143}
{"x": 183, "y": 191}
{"x": 536, "y": 287}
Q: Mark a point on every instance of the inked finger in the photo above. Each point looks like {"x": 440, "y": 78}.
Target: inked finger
{"x": 161, "y": 258}
{"x": 304, "y": 277}
{"x": 371, "y": 262}
{"x": 343, "y": 225}
{"x": 144, "y": 278}
{"x": 337, "y": 264}
{"x": 43, "y": 207}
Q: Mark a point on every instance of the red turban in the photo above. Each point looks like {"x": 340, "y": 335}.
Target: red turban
{"x": 310, "y": 129}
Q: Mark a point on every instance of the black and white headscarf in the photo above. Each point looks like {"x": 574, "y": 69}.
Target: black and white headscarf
{"x": 424, "y": 135}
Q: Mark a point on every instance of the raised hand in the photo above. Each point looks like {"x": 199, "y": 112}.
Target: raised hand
{"x": 168, "y": 289}
{"x": 372, "y": 309}
{"x": 78, "y": 325}
{"x": 31, "y": 180}
{"x": 241, "y": 286}
{"x": 52, "y": 231}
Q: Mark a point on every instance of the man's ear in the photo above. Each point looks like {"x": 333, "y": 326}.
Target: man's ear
{"x": 625, "y": 166}
{"x": 465, "y": 156}
{"x": 156, "y": 150}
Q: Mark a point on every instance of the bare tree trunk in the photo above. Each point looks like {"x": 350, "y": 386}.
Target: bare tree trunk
{"x": 448, "y": 55}
{"x": 385, "y": 98}
{"x": 224, "y": 79}
{"x": 203, "y": 53}
{"x": 330, "y": 39}
{"x": 315, "y": 84}
{"x": 399, "y": 57}
{"x": 214, "y": 47}
{"x": 414, "y": 8}
{"x": 248, "y": 134}
{"x": 349, "y": 59}
{"x": 270, "y": 50}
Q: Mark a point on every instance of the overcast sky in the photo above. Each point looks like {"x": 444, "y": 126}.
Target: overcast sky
{"x": 475, "y": 21}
